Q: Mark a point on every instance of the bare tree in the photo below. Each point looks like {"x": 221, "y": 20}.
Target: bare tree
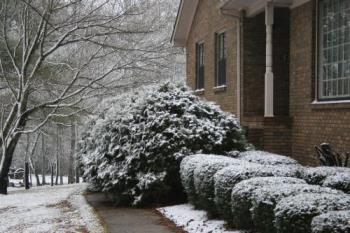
{"x": 30, "y": 160}
{"x": 71, "y": 154}
{"x": 56, "y": 54}
{"x": 43, "y": 160}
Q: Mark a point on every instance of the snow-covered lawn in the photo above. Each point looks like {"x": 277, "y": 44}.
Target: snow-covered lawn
{"x": 194, "y": 221}
{"x": 47, "y": 209}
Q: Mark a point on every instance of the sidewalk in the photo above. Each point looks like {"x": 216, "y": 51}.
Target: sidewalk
{"x": 129, "y": 220}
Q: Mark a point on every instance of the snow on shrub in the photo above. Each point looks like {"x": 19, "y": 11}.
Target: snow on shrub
{"x": 332, "y": 222}
{"x": 204, "y": 181}
{"x": 242, "y": 194}
{"x": 264, "y": 201}
{"x": 317, "y": 175}
{"x": 266, "y": 158}
{"x": 187, "y": 167}
{"x": 295, "y": 213}
{"x": 134, "y": 152}
{"x": 339, "y": 181}
{"x": 227, "y": 178}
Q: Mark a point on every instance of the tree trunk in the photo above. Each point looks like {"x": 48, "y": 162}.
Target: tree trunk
{"x": 43, "y": 180}
{"x": 6, "y": 160}
{"x": 77, "y": 174}
{"x": 57, "y": 154}
{"x": 37, "y": 178}
{"x": 71, "y": 154}
{"x": 76, "y": 162}
{"x": 52, "y": 174}
{"x": 31, "y": 164}
{"x": 61, "y": 179}
{"x": 26, "y": 175}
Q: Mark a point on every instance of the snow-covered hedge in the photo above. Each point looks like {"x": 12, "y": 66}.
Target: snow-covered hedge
{"x": 242, "y": 193}
{"x": 295, "y": 213}
{"x": 227, "y": 178}
{"x": 134, "y": 150}
{"x": 339, "y": 181}
{"x": 332, "y": 222}
{"x": 187, "y": 166}
{"x": 264, "y": 201}
{"x": 266, "y": 158}
{"x": 204, "y": 180}
{"x": 317, "y": 175}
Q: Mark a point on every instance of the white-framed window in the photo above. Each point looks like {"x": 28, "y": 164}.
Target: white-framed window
{"x": 334, "y": 49}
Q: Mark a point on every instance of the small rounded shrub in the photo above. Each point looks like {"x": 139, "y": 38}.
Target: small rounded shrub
{"x": 332, "y": 222}
{"x": 187, "y": 167}
{"x": 340, "y": 181}
{"x": 204, "y": 181}
{"x": 264, "y": 201}
{"x": 317, "y": 175}
{"x": 227, "y": 178}
{"x": 294, "y": 214}
{"x": 242, "y": 193}
{"x": 266, "y": 158}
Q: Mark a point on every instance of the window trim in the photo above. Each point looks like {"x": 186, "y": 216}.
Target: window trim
{"x": 318, "y": 79}
{"x": 197, "y": 87}
{"x": 216, "y": 57}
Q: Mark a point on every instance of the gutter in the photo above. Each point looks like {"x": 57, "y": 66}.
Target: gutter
{"x": 237, "y": 15}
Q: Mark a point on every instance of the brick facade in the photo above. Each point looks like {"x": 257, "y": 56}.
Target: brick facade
{"x": 298, "y": 124}
{"x": 311, "y": 124}
{"x": 206, "y": 23}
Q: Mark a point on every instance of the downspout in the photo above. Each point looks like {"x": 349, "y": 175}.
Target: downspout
{"x": 237, "y": 15}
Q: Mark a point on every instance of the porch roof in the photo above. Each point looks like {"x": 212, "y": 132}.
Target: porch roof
{"x": 188, "y": 8}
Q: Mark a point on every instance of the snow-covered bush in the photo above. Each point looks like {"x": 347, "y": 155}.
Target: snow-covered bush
{"x": 242, "y": 193}
{"x": 227, "y": 178}
{"x": 332, "y": 222}
{"x": 134, "y": 152}
{"x": 187, "y": 167}
{"x": 317, "y": 175}
{"x": 295, "y": 213}
{"x": 339, "y": 181}
{"x": 266, "y": 158}
{"x": 264, "y": 201}
{"x": 204, "y": 181}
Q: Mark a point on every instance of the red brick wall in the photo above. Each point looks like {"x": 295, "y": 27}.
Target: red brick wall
{"x": 311, "y": 124}
{"x": 207, "y": 22}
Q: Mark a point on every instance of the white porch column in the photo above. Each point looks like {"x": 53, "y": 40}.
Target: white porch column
{"x": 269, "y": 13}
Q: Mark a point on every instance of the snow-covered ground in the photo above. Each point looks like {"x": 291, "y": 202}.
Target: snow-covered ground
{"x": 193, "y": 221}
{"x": 47, "y": 209}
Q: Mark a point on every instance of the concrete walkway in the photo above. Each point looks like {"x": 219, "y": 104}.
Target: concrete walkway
{"x": 128, "y": 220}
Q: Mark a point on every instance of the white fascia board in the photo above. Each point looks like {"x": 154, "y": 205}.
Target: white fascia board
{"x": 254, "y": 7}
{"x": 184, "y": 20}
{"x": 297, "y": 3}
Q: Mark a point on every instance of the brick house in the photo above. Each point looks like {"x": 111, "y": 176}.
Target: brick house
{"x": 282, "y": 66}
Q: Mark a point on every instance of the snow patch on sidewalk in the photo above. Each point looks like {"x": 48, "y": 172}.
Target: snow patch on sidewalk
{"x": 194, "y": 221}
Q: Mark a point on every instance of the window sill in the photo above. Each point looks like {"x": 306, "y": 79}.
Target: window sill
{"x": 199, "y": 91}
{"x": 332, "y": 104}
{"x": 221, "y": 88}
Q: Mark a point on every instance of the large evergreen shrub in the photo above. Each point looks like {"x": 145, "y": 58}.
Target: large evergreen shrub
{"x": 133, "y": 150}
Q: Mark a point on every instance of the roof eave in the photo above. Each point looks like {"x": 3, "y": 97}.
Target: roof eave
{"x": 183, "y": 23}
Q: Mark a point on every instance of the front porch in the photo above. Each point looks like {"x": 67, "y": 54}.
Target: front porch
{"x": 265, "y": 46}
